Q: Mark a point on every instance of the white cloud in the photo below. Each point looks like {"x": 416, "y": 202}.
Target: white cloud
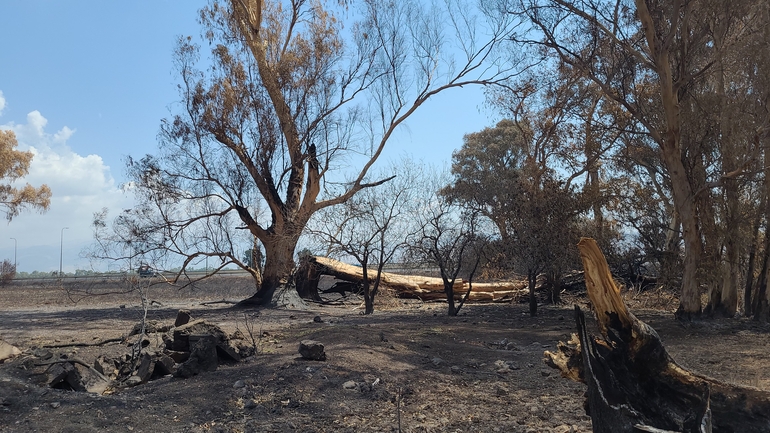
{"x": 2, "y": 103}
{"x": 81, "y": 185}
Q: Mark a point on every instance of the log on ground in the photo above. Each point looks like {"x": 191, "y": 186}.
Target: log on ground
{"x": 633, "y": 383}
{"x": 414, "y": 286}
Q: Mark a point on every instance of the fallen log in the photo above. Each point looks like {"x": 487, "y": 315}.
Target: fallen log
{"x": 414, "y": 286}
{"x": 634, "y": 384}
{"x": 397, "y": 282}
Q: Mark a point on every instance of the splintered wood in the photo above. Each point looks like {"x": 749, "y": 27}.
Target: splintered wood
{"x": 633, "y": 383}
{"x": 416, "y": 286}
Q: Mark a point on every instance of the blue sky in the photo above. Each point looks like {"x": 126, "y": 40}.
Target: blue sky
{"x": 85, "y": 84}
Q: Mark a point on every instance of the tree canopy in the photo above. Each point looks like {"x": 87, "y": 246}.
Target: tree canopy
{"x": 642, "y": 123}
{"x": 14, "y": 165}
{"x": 292, "y": 96}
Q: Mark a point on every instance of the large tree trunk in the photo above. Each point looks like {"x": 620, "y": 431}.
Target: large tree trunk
{"x": 760, "y": 305}
{"x": 634, "y": 384}
{"x": 279, "y": 264}
{"x": 689, "y": 300}
{"x": 749, "y": 288}
{"x": 670, "y": 142}
{"x": 723, "y": 296}
{"x": 421, "y": 287}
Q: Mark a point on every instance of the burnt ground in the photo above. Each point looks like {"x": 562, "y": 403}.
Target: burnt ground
{"x": 479, "y": 372}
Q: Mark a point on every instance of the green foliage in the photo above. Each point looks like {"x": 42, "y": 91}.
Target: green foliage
{"x": 499, "y": 174}
{"x": 534, "y": 211}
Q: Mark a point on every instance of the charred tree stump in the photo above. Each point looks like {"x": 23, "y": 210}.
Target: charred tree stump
{"x": 633, "y": 383}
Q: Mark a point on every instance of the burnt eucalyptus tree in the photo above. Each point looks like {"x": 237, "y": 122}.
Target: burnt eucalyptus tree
{"x": 647, "y": 56}
{"x": 292, "y": 95}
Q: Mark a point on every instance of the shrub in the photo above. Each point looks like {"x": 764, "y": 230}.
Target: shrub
{"x": 7, "y": 272}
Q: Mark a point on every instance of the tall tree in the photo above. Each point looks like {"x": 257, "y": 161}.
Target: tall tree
{"x": 646, "y": 55}
{"x": 291, "y": 96}
{"x": 14, "y": 165}
{"x": 534, "y": 210}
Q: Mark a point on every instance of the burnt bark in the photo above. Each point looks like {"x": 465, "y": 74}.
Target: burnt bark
{"x": 634, "y": 384}
{"x": 279, "y": 263}
{"x": 306, "y": 279}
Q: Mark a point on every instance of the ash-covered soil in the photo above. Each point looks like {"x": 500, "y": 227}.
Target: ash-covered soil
{"x": 407, "y": 368}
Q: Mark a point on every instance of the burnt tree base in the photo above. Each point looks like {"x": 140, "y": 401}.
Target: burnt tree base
{"x": 633, "y": 383}
{"x": 285, "y": 296}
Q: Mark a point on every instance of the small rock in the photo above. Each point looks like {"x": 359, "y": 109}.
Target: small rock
{"x": 249, "y": 404}
{"x": 133, "y": 381}
{"x": 182, "y": 318}
{"x": 317, "y": 319}
{"x": 437, "y": 361}
{"x": 64, "y": 375}
{"x": 203, "y": 356}
{"x": 55, "y": 404}
{"x": 146, "y": 367}
{"x": 239, "y": 384}
{"x": 227, "y": 351}
{"x": 104, "y": 365}
{"x": 178, "y": 357}
{"x": 505, "y": 366}
{"x": 8, "y": 351}
{"x": 545, "y": 372}
{"x": 456, "y": 369}
{"x": 163, "y": 365}
{"x": 313, "y": 350}
{"x": 501, "y": 392}
{"x": 350, "y": 385}
{"x": 562, "y": 429}
{"x": 181, "y": 336}
{"x": 43, "y": 354}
